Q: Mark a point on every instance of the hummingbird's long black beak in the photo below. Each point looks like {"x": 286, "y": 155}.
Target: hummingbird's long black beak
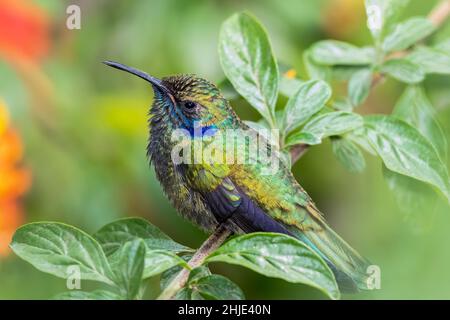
{"x": 154, "y": 81}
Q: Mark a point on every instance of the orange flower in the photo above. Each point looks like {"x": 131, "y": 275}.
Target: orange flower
{"x": 24, "y": 30}
{"x": 11, "y": 217}
{"x": 24, "y": 42}
{"x": 290, "y": 74}
{"x": 14, "y": 180}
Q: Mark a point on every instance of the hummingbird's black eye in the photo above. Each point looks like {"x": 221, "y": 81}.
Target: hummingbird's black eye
{"x": 189, "y": 105}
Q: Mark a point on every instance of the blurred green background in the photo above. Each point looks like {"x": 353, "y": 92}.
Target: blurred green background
{"x": 83, "y": 126}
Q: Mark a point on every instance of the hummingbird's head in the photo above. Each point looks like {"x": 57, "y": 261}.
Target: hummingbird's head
{"x": 188, "y": 101}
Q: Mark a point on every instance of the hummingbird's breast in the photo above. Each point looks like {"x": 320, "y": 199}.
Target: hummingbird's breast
{"x": 189, "y": 203}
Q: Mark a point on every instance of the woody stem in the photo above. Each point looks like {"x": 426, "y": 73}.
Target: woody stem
{"x": 212, "y": 243}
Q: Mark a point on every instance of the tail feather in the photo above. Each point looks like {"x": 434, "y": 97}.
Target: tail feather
{"x": 349, "y": 268}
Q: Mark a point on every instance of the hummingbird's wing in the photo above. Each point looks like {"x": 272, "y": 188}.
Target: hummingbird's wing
{"x": 229, "y": 201}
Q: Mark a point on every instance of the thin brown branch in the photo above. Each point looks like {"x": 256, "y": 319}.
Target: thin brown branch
{"x": 440, "y": 13}
{"x": 212, "y": 243}
{"x": 298, "y": 151}
{"x": 377, "y": 79}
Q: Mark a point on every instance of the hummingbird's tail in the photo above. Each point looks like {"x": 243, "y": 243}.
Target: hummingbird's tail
{"x": 349, "y": 268}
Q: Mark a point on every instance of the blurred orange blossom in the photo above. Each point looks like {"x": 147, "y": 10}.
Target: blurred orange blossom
{"x": 14, "y": 180}
{"x": 24, "y": 30}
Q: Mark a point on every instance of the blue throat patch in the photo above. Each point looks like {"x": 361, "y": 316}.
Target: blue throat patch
{"x": 200, "y": 132}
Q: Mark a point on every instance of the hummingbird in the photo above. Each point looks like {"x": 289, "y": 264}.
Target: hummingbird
{"x": 209, "y": 193}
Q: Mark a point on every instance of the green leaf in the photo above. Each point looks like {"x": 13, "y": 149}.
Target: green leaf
{"x": 345, "y": 73}
{"x": 202, "y": 285}
{"x": 128, "y": 265}
{"x": 332, "y": 52}
{"x": 415, "y": 108}
{"x": 199, "y": 272}
{"x": 279, "y": 116}
{"x": 116, "y": 233}
{"x": 359, "y": 86}
{"x": 443, "y": 46}
{"x": 158, "y": 261}
{"x": 278, "y": 256}
{"x": 403, "y": 70}
{"x": 348, "y": 154}
{"x": 227, "y": 89}
{"x": 184, "y": 294}
{"x": 300, "y": 137}
{"x": 404, "y": 150}
{"x": 315, "y": 70}
{"x": 53, "y": 247}
{"x": 168, "y": 275}
{"x": 415, "y": 199}
{"x": 342, "y": 104}
{"x": 247, "y": 61}
{"x": 381, "y": 14}
{"x": 358, "y": 136}
{"x": 407, "y": 33}
{"x": 431, "y": 60}
{"x": 309, "y": 99}
{"x": 264, "y": 131}
{"x": 84, "y": 295}
{"x": 333, "y": 123}
{"x": 214, "y": 287}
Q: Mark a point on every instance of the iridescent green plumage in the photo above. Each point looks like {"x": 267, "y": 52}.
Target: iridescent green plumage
{"x": 209, "y": 192}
